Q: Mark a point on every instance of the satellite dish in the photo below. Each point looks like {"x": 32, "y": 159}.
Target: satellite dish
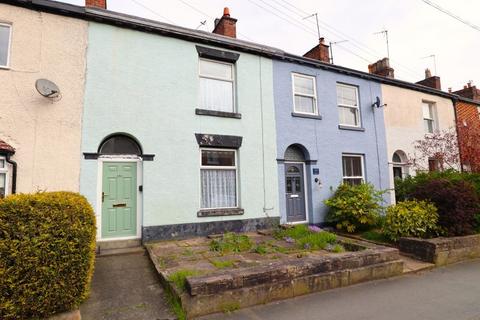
{"x": 47, "y": 88}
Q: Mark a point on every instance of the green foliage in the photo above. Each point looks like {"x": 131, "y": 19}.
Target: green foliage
{"x": 405, "y": 188}
{"x": 229, "y": 307}
{"x": 305, "y": 238}
{"x": 355, "y": 207}
{"x": 375, "y": 235}
{"x": 231, "y": 242}
{"x": 477, "y": 222}
{"x": 47, "y": 254}
{"x": 261, "y": 248}
{"x": 175, "y": 304}
{"x": 179, "y": 278}
{"x": 411, "y": 218}
{"x": 338, "y": 248}
{"x": 222, "y": 264}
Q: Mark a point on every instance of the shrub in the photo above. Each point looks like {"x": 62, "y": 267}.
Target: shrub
{"x": 477, "y": 222}
{"x": 456, "y": 201}
{"x": 404, "y": 188}
{"x": 410, "y": 218}
{"x": 354, "y": 207}
{"x": 47, "y": 253}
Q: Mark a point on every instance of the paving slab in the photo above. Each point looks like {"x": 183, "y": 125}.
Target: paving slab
{"x": 125, "y": 287}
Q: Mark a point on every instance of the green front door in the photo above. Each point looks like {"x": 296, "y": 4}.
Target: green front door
{"x": 119, "y": 199}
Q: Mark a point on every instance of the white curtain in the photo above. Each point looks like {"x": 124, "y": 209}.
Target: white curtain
{"x": 216, "y": 95}
{"x": 218, "y": 188}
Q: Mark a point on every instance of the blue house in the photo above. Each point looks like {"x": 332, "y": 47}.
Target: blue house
{"x": 330, "y": 129}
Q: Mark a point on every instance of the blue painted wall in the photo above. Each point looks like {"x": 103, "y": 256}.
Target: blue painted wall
{"x": 323, "y": 139}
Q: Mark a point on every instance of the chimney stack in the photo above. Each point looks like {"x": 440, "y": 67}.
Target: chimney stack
{"x": 319, "y": 52}
{"x": 102, "y": 4}
{"x": 429, "y": 81}
{"x": 469, "y": 91}
{"x": 382, "y": 68}
{"x": 226, "y": 26}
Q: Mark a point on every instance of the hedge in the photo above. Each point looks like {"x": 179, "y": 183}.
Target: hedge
{"x": 47, "y": 253}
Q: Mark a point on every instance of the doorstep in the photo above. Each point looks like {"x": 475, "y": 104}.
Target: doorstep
{"x": 108, "y": 248}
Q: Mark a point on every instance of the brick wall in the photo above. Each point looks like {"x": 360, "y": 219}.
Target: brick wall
{"x": 469, "y": 134}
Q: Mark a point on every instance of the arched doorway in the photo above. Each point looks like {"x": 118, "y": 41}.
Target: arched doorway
{"x": 120, "y": 166}
{"x": 295, "y": 193}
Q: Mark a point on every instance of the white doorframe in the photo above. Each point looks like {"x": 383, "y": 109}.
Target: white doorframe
{"x": 139, "y": 213}
{"x": 305, "y": 191}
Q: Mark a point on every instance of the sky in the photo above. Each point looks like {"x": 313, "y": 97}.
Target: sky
{"x": 416, "y": 31}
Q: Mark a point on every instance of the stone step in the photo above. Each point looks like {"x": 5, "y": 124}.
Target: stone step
{"x": 411, "y": 265}
{"x": 113, "y": 252}
{"x": 119, "y": 244}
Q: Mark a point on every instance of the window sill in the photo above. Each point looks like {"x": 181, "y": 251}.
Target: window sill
{"x": 342, "y": 127}
{"x": 222, "y": 114}
{"x": 4, "y": 68}
{"x": 220, "y": 212}
{"x": 308, "y": 116}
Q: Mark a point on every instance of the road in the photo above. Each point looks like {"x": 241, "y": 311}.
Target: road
{"x": 451, "y": 293}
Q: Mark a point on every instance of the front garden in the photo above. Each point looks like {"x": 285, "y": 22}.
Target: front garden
{"x": 439, "y": 205}
{"x": 225, "y": 272}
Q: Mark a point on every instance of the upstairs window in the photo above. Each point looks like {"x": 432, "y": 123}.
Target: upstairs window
{"x": 5, "y": 35}
{"x": 304, "y": 94}
{"x": 217, "y": 86}
{"x": 218, "y": 172}
{"x": 348, "y": 106}
{"x": 429, "y": 117}
{"x": 353, "y": 169}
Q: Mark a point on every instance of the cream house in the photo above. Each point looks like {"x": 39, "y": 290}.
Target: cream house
{"x": 410, "y": 114}
{"x": 40, "y": 136}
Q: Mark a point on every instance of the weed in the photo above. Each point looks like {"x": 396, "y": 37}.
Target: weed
{"x": 188, "y": 252}
{"x": 229, "y": 307}
{"x": 179, "y": 278}
{"x": 231, "y": 242}
{"x": 261, "y": 248}
{"x": 306, "y": 238}
{"x": 375, "y": 235}
{"x": 222, "y": 264}
{"x": 338, "y": 248}
{"x": 175, "y": 304}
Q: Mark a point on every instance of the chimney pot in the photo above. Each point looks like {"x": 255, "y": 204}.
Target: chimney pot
{"x": 450, "y": 90}
{"x": 469, "y": 91}
{"x": 428, "y": 74}
{"x": 226, "y": 25}
{"x": 319, "y": 52}
{"x": 102, "y": 4}
{"x": 226, "y": 12}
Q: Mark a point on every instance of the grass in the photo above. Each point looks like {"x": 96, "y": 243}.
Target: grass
{"x": 175, "y": 304}
{"x": 188, "y": 252}
{"x": 338, "y": 248}
{"x": 375, "y": 235}
{"x": 231, "y": 242}
{"x": 305, "y": 238}
{"x": 229, "y": 307}
{"x": 179, "y": 278}
{"x": 222, "y": 264}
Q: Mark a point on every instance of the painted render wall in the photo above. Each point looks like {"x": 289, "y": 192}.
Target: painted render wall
{"x": 147, "y": 86}
{"x": 323, "y": 139}
{"x": 45, "y": 134}
{"x": 404, "y": 120}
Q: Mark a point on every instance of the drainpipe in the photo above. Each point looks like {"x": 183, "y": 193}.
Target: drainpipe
{"x": 455, "y": 101}
{"x": 14, "y": 173}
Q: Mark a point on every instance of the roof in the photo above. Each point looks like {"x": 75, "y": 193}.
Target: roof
{"x": 152, "y": 26}
{"x": 5, "y": 147}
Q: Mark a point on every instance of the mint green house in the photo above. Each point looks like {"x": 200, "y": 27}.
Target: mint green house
{"x": 178, "y": 130}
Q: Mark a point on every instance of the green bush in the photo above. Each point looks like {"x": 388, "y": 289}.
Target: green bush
{"x": 405, "y": 187}
{"x": 410, "y": 218}
{"x": 47, "y": 253}
{"x": 355, "y": 207}
{"x": 477, "y": 222}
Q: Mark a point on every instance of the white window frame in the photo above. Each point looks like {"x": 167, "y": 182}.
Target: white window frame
{"x": 202, "y": 167}
{"x": 3, "y": 24}
{"x": 314, "y": 96}
{"x": 234, "y": 85}
{"x": 357, "y": 107}
{"x": 432, "y": 108}
{"x": 4, "y": 170}
{"x": 362, "y": 164}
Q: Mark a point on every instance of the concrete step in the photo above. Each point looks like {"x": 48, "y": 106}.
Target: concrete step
{"x": 411, "y": 265}
{"x": 114, "y": 252}
{"x": 118, "y": 246}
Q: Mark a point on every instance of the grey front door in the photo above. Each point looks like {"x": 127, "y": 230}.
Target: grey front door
{"x": 295, "y": 193}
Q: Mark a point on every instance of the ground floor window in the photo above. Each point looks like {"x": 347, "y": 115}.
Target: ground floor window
{"x": 3, "y": 177}
{"x": 353, "y": 169}
{"x": 218, "y": 172}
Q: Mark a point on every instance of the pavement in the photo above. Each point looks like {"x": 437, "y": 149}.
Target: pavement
{"x": 125, "y": 287}
{"x": 448, "y": 293}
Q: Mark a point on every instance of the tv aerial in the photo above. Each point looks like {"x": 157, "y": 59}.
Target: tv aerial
{"x": 47, "y": 88}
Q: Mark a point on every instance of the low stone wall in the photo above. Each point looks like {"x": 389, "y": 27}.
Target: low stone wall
{"x": 239, "y": 288}
{"x": 442, "y": 251}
